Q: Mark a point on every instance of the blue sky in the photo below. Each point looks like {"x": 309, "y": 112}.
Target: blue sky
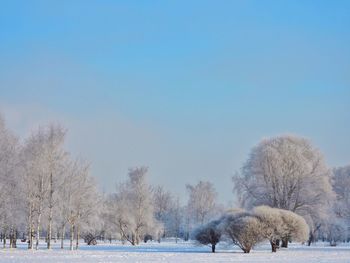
{"x": 185, "y": 87}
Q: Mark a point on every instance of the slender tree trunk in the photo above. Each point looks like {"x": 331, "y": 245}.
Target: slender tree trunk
{"x": 30, "y": 228}
{"x": 133, "y": 239}
{"x": 38, "y": 231}
{"x": 213, "y": 248}
{"x": 71, "y": 236}
{"x": 49, "y": 228}
{"x": 77, "y": 242}
{"x": 41, "y": 189}
{"x": 63, "y": 229}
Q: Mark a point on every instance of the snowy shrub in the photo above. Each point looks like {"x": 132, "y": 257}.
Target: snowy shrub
{"x": 281, "y": 224}
{"x": 208, "y": 234}
{"x": 294, "y": 227}
{"x": 244, "y": 229}
{"x": 272, "y": 224}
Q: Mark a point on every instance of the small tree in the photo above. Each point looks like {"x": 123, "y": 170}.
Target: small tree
{"x": 272, "y": 224}
{"x": 281, "y": 224}
{"x": 295, "y": 227}
{"x": 244, "y": 229}
{"x": 209, "y": 234}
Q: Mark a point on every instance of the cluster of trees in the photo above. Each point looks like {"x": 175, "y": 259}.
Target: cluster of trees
{"x": 287, "y": 172}
{"x": 43, "y": 189}
{"x": 138, "y": 211}
{"x": 246, "y": 229}
{"x": 46, "y": 194}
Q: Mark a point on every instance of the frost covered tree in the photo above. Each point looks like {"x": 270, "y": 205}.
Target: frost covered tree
{"x": 286, "y": 172}
{"x": 55, "y": 157}
{"x": 335, "y": 231}
{"x": 36, "y": 181}
{"x": 40, "y": 191}
{"x": 209, "y": 234}
{"x": 201, "y": 202}
{"x": 341, "y": 186}
{"x": 43, "y": 158}
{"x": 295, "y": 227}
{"x": 176, "y": 219}
{"x": 11, "y": 217}
{"x": 162, "y": 203}
{"x": 280, "y": 224}
{"x": 273, "y": 227}
{"x": 133, "y": 211}
{"x": 243, "y": 228}
{"x": 81, "y": 201}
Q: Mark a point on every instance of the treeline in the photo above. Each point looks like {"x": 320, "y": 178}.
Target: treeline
{"x": 287, "y": 191}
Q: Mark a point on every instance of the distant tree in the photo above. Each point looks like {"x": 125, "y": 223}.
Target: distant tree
{"x": 11, "y": 193}
{"x": 176, "y": 218}
{"x": 341, "y": 186}
{"x": 286, "y": 172}
{"x": 55, "y": 157}
{"x": 36, "y": 182}
{"x": 162, "y": 203}
{"x": 202, "y": 202}
{"x": 133, "y": 207}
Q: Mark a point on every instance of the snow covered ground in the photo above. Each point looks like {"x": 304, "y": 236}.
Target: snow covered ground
{"x": 181, "y": 252}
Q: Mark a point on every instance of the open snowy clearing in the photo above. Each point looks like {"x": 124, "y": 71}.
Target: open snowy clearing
{"x": 181, "y": 252}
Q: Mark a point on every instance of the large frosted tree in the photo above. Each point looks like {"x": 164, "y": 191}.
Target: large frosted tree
{"x": 286, "y": 172}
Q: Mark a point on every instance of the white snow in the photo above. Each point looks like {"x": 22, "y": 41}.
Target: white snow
{"x": 182, "y": 252}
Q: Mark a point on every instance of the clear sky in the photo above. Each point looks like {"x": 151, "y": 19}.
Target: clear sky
{"x": 185, "y": 87}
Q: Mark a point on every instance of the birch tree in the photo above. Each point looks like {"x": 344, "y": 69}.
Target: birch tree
{"x": 133, "y": 207}
{"x": 10, "y": 187}
{"x": 55, "y": 158}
